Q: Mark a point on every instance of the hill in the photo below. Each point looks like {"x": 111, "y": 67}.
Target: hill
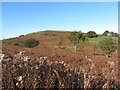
{"x": 94, "y": 64}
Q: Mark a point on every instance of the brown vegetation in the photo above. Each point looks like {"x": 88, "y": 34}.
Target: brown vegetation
{"x": 102, "y": 72}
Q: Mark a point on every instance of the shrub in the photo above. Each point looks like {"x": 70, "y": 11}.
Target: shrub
{"x": 115, "y": 34}
{"x": 105, "y": 33}
{"x": 76, "y": 37}
{"x": 30, "y": 43}
{"x": 111, "y": 33}
{"x": 16, "y": 43}
{"x": 91, "y": 34}
{"x": 108, "y": 46}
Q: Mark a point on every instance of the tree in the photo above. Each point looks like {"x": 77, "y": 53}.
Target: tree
{"x": 105, "y": 33}
{"x": 84, "y": 38}
{"x": 91, "y": 34}
{"x": 115, "y": 35}
{"x": 108, "y": 46}
{"x": 76, "y": 37}
{"x": 30, "y": 43}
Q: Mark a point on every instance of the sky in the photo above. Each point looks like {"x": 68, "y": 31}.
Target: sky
{"x": 20, "y": 18}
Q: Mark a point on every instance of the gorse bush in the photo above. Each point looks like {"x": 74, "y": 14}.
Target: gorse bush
{"x": 105, "y": 33}
{"x": 108, "y": 46}
{"x": 91, "y": 34}
{"x": 30, "y": 43}
{"x": 16, "y": 43}
{"x": 75, "y": 38}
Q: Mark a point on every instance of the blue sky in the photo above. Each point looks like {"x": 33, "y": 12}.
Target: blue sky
{"x": 19, "y": 18}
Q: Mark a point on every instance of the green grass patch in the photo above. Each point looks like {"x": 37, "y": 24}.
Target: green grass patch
{"x": 96, "y": 40}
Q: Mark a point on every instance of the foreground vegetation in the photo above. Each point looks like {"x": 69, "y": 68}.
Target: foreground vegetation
{"x": 20, "y": 71}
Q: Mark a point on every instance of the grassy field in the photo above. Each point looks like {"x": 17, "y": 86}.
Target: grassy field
{"x": 98, "y": 39}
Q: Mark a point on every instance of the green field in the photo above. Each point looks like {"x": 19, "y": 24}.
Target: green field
{"x": 98, "y": 39}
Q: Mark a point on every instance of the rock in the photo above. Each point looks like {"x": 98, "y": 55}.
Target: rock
{"x": 26, "y": 58}
{"x": 50, "y": 63}
{"x": 21, "y": 53}
{"x": 47, "y": 61}
{"x": 41, "y": 62}
{"x": 36, "y": 67}
{"x": 45, "y": 58}
{"x": 86, "y": 57}
{"x": 111, "y": 63}
{"x": 2, "y": 56}
{"x": 75, "y": 69}
{"x": 56, "y": 61}
{"x": 8, "y": 59}
{"x": 17, "y": 84}
{"x": 89, "y": 59}
{"x": 71, "y": 69}
{"x": 106, "y": 85}
{"x": 70, "y": 74}
{"x": 41, "y": 58}
{"x": 19, "y": 78}
{"x": 62, "y": 62}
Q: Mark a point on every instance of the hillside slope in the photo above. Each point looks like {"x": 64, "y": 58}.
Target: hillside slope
{"x": 97, "y": 66}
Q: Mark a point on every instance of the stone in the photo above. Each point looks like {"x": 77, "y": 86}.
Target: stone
{"x": 19, "y": 78}
{"x": 62, "y": 62}
{"x": 41, "y": 58}
{"x": 26, "y": 58}
{"x": 21, "y": 53}
{"x": 45, "y": 58}
{"x": 2, "y": 56}
{"x": 89, "y": 59}
{"x": 111, "y": 63}
{"x": 17, "y": 84}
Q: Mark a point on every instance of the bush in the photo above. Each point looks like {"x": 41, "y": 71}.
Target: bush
{"x": 91, "y": 34}
{"x": 16, "y": 43}
{"x": 111, "y": 33}
{"x": 108, "y": 46}
{"x": 76, "y": 37}
{"x": 115, "y": 34}
{"x": 30, "y": 43}
{"x": 105, "y": 33}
